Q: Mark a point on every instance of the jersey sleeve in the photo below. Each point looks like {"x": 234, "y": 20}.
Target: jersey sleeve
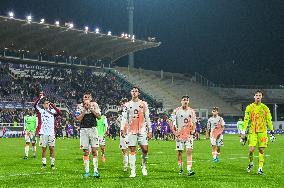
{"x": 147, "y": 117}
{"x": 25, "y": 119}
{"x": 209, "y": 124}
{"x": 246, "y": 118}
{"x": 269, "y": 118}
{"x": 124, "y": 117}
{"x": 96, "y": 108}
{"x": 173, "y": 118}
{"x": 105, "y": 122}
{"x": 194, "y": 120}
{"x": 222, "y": 122}
{"x": 36, "y": 106}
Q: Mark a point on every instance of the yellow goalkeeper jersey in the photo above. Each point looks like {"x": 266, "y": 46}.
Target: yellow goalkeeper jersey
{"x": 258, "y": 116}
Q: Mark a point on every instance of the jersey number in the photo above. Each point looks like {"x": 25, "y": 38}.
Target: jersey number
{"x": 136, "y": 113}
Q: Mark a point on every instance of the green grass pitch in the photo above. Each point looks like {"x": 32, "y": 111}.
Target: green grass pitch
{"x": 162, "y": 166}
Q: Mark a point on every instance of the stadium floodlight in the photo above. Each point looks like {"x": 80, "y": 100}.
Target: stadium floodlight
{"x": 57, "y": 23}
{"x": 29, "y": 18}
{"x": 42, "y": 21}
{"x": 129, "y": 36}
{"x": 86, "y": 29}
{"x": 71, "y": 25}
{"x": 11, "y": 14}
{"x": 109, "y": 33}
{"x": 97, "y": 30}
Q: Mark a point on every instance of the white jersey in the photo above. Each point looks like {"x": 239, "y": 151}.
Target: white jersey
{"x": 47, "y": 120}
{"x": 215, "y": 123}
{"x": 135, "y": 116}
{"x": 184, "y": 121}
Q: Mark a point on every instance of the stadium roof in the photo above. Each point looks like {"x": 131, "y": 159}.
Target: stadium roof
{"x": 40, "y": 37}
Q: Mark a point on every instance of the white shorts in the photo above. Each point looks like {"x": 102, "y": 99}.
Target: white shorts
{"x": 123, "y": 142}
{"x": 46, "y": 140}
{"x": 30, "y": 137}
{"x": 140, "y": 138}
{"x": 187, "y": 144}
{"x": 102, "y": 140}
{"x": 217, "y": 142}
{"x": 89, "y": 136}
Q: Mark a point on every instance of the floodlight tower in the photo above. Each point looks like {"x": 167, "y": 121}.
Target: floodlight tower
{"x": 130, "y": 8}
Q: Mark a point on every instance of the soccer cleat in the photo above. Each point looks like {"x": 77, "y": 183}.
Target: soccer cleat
{"x": 103, "y": 159}
{"x": 190, "y": 173}
{"x": 26, "y": 157}
{"x": 144, "y": 171}
{"x": 260, "y": 172}
{"x": 132, "y": 174}
{"x": 96, "y": 174}
{"x": 249, "y": 168}
{"x": 34, "y": 156}
{"x": 180, "y": 172}
{"x": 216, "y": 160}
{"x": 52, "y": 167}
{"x": 86, "y": 175}
{"x": 43, "y": 166}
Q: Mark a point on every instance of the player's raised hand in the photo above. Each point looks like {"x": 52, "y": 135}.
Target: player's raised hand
{"x": 87, "y": 104}
{"x": 41, "y": 94}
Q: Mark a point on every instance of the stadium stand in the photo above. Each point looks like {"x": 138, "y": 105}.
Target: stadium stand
{"x": 170, "y": 89}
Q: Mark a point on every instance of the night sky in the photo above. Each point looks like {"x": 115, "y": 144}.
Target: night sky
{"x": 196, "y": 35}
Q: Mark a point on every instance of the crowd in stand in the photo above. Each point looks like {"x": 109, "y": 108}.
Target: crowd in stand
{"x": 12, "y": 116}
{"x": 61, "y": 85}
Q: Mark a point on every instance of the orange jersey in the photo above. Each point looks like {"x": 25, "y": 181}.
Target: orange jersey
{"x": 184, "y": 121}
{"x": 135, "y": 116}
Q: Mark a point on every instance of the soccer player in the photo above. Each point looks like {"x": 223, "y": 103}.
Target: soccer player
{"x": 136, "y": 116}
{"x": 216, "y": 125}
{"x": 102, "y": 126}
{"x": 123, "y": 144}
{"x": 182, "y": 123}
{"x": 30, "y": 124}
{"x": 257, "y": 115}
{"x": 240, "y": 124}
{"x": 87, "y": 113}
{"x": 47, "y": 114}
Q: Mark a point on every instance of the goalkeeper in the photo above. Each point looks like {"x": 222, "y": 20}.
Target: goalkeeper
{"x": 258, "y": 116}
